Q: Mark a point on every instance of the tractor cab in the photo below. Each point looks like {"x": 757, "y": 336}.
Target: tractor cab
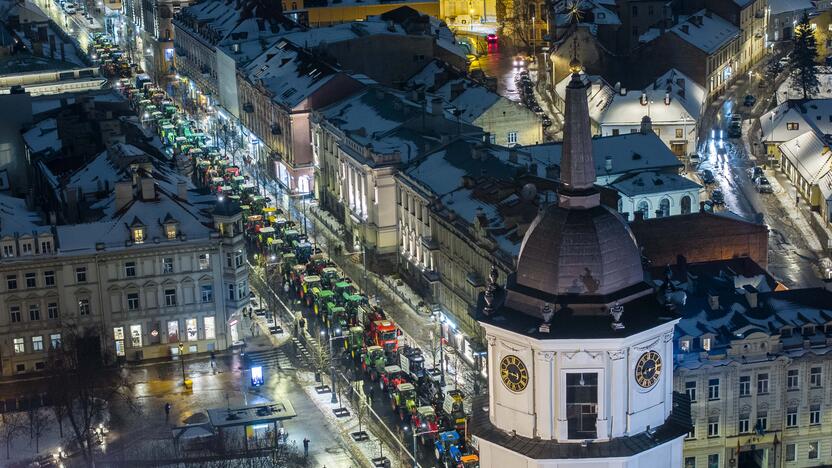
{"x": 373, "y": 362}
{"x": 329, "y": 276}
{"x": 469, "y": 461}
{"x": 342, "y": 290}
{"x": 403, "y": 400}
{"x": 354, "y": 341}
{"x": 425, "y": 421}
{"x": 385, "y": 334}
{"x": 412, "y": 362}
{"x": 391, "y": 377}
{"x": 322, "y": 299}
{"x": 446, "y": 449}
{"x": 303, "y": 249}
{"x": 316, "y": 264}
{"x": 309, "y": 282}
{"x": 453, "y": 406}
{"x": 336, "y": 316}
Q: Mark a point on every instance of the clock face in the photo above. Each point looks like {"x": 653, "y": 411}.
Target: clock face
{"x": 648, "y": 369}
{"x": 514, "y": 374}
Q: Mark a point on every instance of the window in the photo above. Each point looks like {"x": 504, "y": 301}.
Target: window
{"x": 692, "y": 433}
{"x": 791, "y": 453}
{"x": 581, "y": 405}
{"x": 813, "y": 450}
{"x": 19, "y": 346}
{"x": 37, "y": 343}
{"x": 238, "y": 258}
{"x": 231, "y": 296}
{"x": 167, "y": 265}
{"x": 616, "y": 132}
{"x": 210, "y": 328}
{"x": 706, "y": 344}
{"x": 31, "y": 280}
{"x": 138, "y": 235}
{"x": 713, "y": 427}
{"x": 83, "y": 306}
{"x": 713, "y": 389}
{"x": 133, "y": 301}
{"x": 170, "y": 230}
{"x": 242, "y": 290}
{"x": 11, "y": 281}
{"x": 690, "y": 462}
{"x": 190, "y": 328}
{"x": 635, "y": 10}
{"x": 136, "y": 336}
{"x": 173, "y": 331}
{"x": 650, "y": 10}
{"x": 815, "y": 376}
{"x": 34, "y": 312}
{"x": 46, "y": 246}
{"x": 52, "y": 310}
{"x": 742, "y": 425}
{"x": 745, "y": 385}
{"x": 14, "y": 313}
{"x": 679, "y": 133}
{"x": 792, "y": 379}
{"x": 229, "y": 260}
{"x": 644, "y": 208}
{"x": 814, "y": 414}
{"x": 207, "y": 293}
{"x": 81, "y": 274}
{"x": 49, "y": 278}
{"x": 762, "y": 421}
{"x": 791, "y": 417}
{"x": 792, "y": 126}
{"x": 204, "y": 261}
{"x": 8, "y": 251}
{"x": 713, "y": 460}
{"x": 690, "y": 389}
{"x": 664, "y": 207}
{"x": 512, "y": 138}
{"x": 684, "y": 345}
{"x": 762, "y": 384}
{"x": 55, "y": 340}
{"x": 130, "y": 269}
{"x": 26, "y": 247}
{"x": 170, "y": 297}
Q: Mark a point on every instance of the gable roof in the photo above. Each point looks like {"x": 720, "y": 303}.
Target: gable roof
{"x": 706, "y": 31}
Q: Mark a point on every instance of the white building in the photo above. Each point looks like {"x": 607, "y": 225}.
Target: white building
{"x": 599, "y": 95}
{"x": 674, "y": 103}
{"x": 579, "y": 348}
{"x": 656, "y": 194}
{"x": 159, "y": 265}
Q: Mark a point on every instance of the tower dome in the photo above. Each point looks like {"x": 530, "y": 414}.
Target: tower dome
{"x": 577, "y": 247}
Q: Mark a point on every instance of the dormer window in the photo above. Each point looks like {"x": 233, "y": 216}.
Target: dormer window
{"x": 138, "y": 235}
{"x": 808, "y": 330}
{"x": 786, "y": 332}
{"x": 684, "y": 346}
{"x": 706, "y": 344}
{"x": 171, "y": 227}
{"x": 26, "y": 248}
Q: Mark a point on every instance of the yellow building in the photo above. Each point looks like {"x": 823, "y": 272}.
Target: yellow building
{"x": 323, "y": 12}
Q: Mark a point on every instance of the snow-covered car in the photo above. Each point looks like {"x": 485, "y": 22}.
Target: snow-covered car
{"x": 762, "y": 184}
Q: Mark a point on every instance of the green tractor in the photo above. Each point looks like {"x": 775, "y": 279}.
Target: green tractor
{"x": 310, "y": 282}
{"x": 321, "y": 298}
{"x": 342, "y": 289}
{"x": 287, "y": 262}
{"x": 373, "y": 361}
{"x": 336, "y": 316}
{"x": 354, "y": 342}
{"x": 403, "y": 400}
{"x": 329, "y": 276}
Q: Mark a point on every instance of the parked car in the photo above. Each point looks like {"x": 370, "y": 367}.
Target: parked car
{"x": 735, "y": 130}
{"x": 755, "y": 172}
{"x": 707, "y": 177}
{"x": 762, "y": 184}
{"x": 70, "y": 10}
{"x": 694, "y": 158}
{"x": 491, "y": 38}
{"x": 749, "y": 101}
{"x": 718, "y": 197}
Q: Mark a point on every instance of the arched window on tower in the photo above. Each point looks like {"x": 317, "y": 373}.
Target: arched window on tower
{"x": 685, "y": 205}
{"x": 644, "y": 207}
{"x": 664, "y": 207}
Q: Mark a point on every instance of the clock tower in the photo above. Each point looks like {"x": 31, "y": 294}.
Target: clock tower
{"x": 580, "y": 347}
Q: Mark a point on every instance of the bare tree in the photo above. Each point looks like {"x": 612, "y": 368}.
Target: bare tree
{"x": 14, "y": 425}
{"x": 38, "y": 422}
{"x": 81, "y": 386}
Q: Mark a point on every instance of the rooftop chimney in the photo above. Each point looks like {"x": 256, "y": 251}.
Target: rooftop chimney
{"x": 148, "y": 189}
{"x": 713, "y": 300}
{"x": 436, "y": 106}
{"x": 667, "y": 99}
{"x": 182, "y": 190}
{"x": 124, "y": 194}
{"x": 646, "y": 125}
{"x": 643, "y": 99}
{"x": 608, "y": 163}
{"x": 751, "y": 295}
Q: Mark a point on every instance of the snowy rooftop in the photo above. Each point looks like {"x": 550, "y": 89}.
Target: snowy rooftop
{"x": 43, "y": 137}
{"x": 628, "y": 153}
{"x": 792, "y": 118}
{"x": 229, "y": 22}
{"x": 787, "y": 92}
{"x": 645, "y": 183}
{"x": 458, "y": 91}
{"x": 785, "y": 6}
{"x": 291, "y": 73}
{"x": 251, "y": 38}
{"x": 686, "y": 99}
{"x": 809, "y": 154}
{"x": 706, "y": 31}
{"x": 599, "y": 94}
{"x": 600, "y": 14}
{"x": 16, "y": 218}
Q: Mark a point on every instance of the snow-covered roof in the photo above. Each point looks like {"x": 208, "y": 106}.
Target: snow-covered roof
{"x": 628, "y": 153}
{"x": 252, "y": 37}
{"x": 787, "y": 6}
{"x": 809, "y": 154}
{"x": 291, "y": 73}
{"x": 787, "y": 91}
{"x": 792, "y": 118}
{"x": 43, "y": 137}
{"x": 645, "y": 183}
{"x": 591, "y": 9}
{"x": 706, "y": 31}
{"x": 16, "y": 218}
{"x": 458, "y": 91}
{"x": 244, "y": 22}
{"x": 599, "y": 93}
{"x": 685, "y": 103}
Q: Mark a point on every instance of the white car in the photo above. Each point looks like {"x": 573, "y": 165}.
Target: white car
{"x": 70, "y": 10}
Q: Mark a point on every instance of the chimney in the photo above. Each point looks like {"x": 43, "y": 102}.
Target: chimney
{"x": 667, "y": 99}
{"x": 750, "y": 295}
{"x": 124, "y": 194}
{"x": 646, "y": 125}
{"x": 685, "y": 29}
{"x": 148, "y": 189}
{"x": 436, "y": 106}
{"x": 182, "y": 190}
{"x": 701, "y": 207}
{"x": 638, "y": 216}
{"x": 643, "y": 99}
{"x": 713, "y": 300}
{"x": 623, "y": 91}
{"x": 608, "y": 163}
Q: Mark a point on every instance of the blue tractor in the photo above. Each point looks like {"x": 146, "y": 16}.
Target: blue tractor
{"x": 447, "y": 450}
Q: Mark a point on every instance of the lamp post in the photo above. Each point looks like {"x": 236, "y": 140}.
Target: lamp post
{"x": 442, "y": 350}
{"x": 331, "y": 362}
{"x": 417, "y": 434}
{"x": 182, "y": 360}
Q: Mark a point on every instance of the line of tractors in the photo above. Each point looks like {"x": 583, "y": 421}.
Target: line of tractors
{"x": 371, "y": 344}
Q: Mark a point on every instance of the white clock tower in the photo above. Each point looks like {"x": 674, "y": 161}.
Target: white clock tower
{"x": 580, "y": 347}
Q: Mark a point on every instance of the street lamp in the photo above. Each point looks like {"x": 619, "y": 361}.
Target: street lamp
{"x": 182, "y": 360}
{"x": 442, "y": 350}
{"x": 332, "y": 362}
{"x": 416, "y": 434}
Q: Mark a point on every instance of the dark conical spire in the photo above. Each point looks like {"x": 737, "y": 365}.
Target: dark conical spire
{"x": 577, "y": 164}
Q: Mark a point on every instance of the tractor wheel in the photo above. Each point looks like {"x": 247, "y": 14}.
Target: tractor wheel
{"x": 437, "y": 454}
{"x": 381, "y": 384}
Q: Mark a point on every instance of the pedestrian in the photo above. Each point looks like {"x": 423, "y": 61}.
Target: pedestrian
{"x": 305, "y": 447}
{"x": 796, "y": 200}
{"x": 167, "y": 411}
{"x": 372, "y": 395}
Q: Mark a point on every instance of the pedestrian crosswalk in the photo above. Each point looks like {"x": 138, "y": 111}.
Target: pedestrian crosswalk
{"x": 270, "y": 358}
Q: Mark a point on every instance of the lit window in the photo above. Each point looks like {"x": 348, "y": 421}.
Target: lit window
{"x": 136, "y": 336}
{"x": 684, "y": 345}
{"x": 83, "y": 306}
{"x": 37, "y": 343}
{"x": 138, "y": 235}
{"x": 55, "y": 340}
{"x": 204, "y": 261}
{"x": 170, "y": 230}
{"x": 210, "y": 328}
{"x": 679, "y": 133}
{"x": 19, "y": 346}
{"x": 190, "y": 328}
{"x": 792, "y": 126}
{"x": 706, "y": 344}
{"x": 167, "y": 265}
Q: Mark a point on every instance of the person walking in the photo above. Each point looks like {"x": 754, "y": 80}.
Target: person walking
{"x": 371, "y": 395}
{"x": 167, "y": 411}
{"x": 305, "y": 447}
